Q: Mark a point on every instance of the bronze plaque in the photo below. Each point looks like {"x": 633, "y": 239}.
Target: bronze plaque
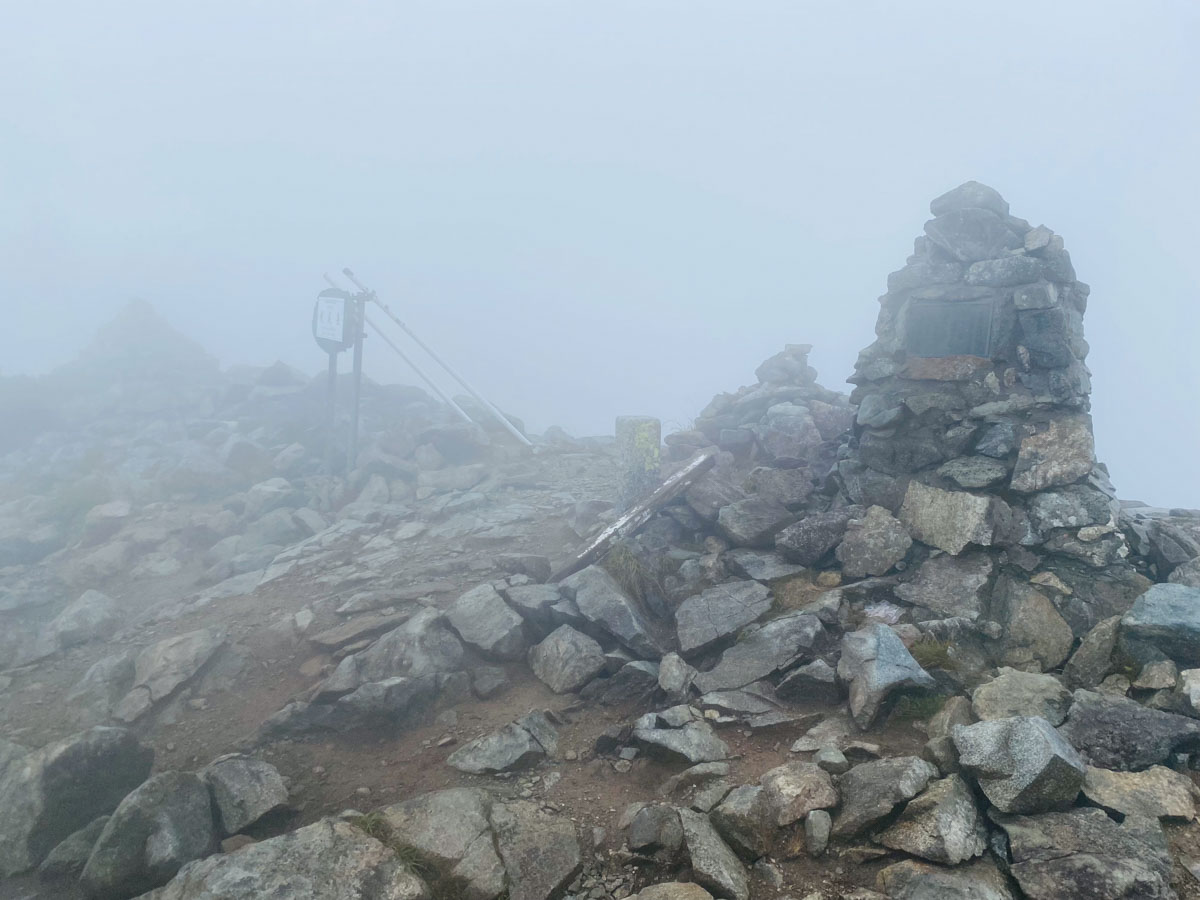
{"x": 938, "y": 328}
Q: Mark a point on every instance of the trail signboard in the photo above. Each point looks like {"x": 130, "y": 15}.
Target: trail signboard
{"x": 333, "y": 320}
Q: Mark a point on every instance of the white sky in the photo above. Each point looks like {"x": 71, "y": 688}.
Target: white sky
{"x": 600, "y": 208}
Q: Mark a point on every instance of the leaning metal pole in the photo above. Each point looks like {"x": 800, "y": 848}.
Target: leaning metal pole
{"x": 500, "y": 417}
{"x": 433, "y": 387}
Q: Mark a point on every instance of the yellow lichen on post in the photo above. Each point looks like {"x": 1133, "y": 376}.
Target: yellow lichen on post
{"x": 639, "y": 456}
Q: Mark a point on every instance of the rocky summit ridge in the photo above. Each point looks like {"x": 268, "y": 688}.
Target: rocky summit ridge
{"x": 902, "y": 643}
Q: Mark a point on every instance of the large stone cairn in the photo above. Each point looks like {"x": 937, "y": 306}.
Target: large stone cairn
{"x": 973, "y": 431}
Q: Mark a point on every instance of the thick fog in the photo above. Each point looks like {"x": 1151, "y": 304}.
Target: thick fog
{"x": 602, "y": 208}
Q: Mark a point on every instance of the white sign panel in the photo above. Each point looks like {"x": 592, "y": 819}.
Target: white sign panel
{"x": 331, "y": 319}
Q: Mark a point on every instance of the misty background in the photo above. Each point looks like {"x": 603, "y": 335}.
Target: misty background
{"x": 604, "y": 208}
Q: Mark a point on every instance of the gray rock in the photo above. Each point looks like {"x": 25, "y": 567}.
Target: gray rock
{"x": 1075, "y": 506}
{"x": 68, "y": 858}
{"x": 744, "y": 821}
{"x": 1187, "y": 574}
{"x": 534, "y": 602}
{"x": 1014, "y": 693}
{"x": 1035, "y": 635}
{"x": 787, "y": 487}
{"x": 712, "y": 493}
{"x": 948, "y": 520}
{"x": 1116, "y": 733}
{"x": 1022, "y": 764}
{"x": 483, "y": 620}
{"x": 1083, "y": 855}
{"x": 161, "y": 825}
{"x": 814, "y": 536}
{"x": 795, "y": 789}
{"x": 1061, "y": 454}
{"x": 954, "y": 585}
{"x": 873, "y": 544}
{"x": 817, "y": 829}
{"x": 1157, "y": 793}
{"x": 540, "y": 851}
{"x": 488, "y": 681}
{"x": 675, "y": 677}
{"x": 969, "y": 195}
{"x": 1167, "y": 617}
{"x": 423, "y": 645}
{"x": 453, "y": 828}
{"x": 719, "y": 613}
{"x": 942, "y": 824}
{"x": 93, "y": 698}
{"x": 517, "y": 745}
{"x": 832, "y": 760}
{"x": 974, "y": 472}
{"x": 714, "y": 866}
{"x": 566, "y": 660}
{"x": 787, "y": 434}
{"x": 163, "y": 668}
{"x": 1157, "y": 675}
{"x": 875, "y": 663}
{"x": 601, "y": 601}
{"x": 912, "y": 880}
{"x": 92, "y": 617}
{"x": 51, "y": 793}
{"x": 656, "y": 829}
{"x": 1006, "y": 272}
{"x": 759, "y": 653}
{"x": 244, "y": 790}
{"x": 673, "y": 890}
{"x": 760, "y": 565}
{"x": 693, "y": 739}
{"x": 753, "y": 522}
{"x": 1092, "y": 659}
{"x": 812, "y": 682}
{"x": 970, "y": 234}
{"x": 634, "y": 682}
{"x": 391, "y": 701}
{"x": 330, "y": 859}
{"x": 871, "y": 790}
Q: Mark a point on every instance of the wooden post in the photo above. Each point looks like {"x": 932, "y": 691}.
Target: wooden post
{"x": 639, "y": 443}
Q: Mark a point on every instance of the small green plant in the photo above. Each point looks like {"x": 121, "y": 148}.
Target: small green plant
{"x": 931, "y": 653}
{"x": 918, "y": 707}
{"x": 638, "y": 579}
{"x": 442, "y": 883}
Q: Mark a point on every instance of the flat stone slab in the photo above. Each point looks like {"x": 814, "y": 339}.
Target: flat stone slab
{"x": 718, "y": 613}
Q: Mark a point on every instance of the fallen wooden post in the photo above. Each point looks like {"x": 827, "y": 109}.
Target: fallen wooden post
{"x": 640, "y": 513}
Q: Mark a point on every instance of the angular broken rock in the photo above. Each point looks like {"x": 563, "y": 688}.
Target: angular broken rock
{"x": 1157, "y": 793}
{"x": 1092, "y": 659}
{"x": 675, "y": 677}
{"x": 540, "y": 851}
{"x": 753, "y": 522}
{"x": 483, "y": 620}
{"x": 1167, "y": 617}
{"x": 795, "y": 789}
{"x": 760, "y": 652}
{"x": 518, "y": 744}
{"x": 810, "y": 539}
{"x": 656, "y": 828}
{"x": 566, "y": 660}
{"x": 912, "y": 880}
{"x": 452, "y": 827}
{"x": 330, "y": 859}
{"x": 875, "y": 663}
{"x": 1121, "y": 734}
{"x": 48, "y": 794}
{"x": 873, "y": 544}
{"x": 1035, "y": 635}
{"x": 243, "y": 791}
{"x": 160, "y": 826}
{"x": 953, "y": 585}
{"x": 871, "y": 790}
{"x": 745, "y": 822}
{"x": 714, "y": 865}
{"x": 1061, "y": 454}
{"x": 601, "y": 601}
{"x": 942, "y": 824}
{"x": 162, "y": 668}
{"x": 92, "y": 617}
{"x": 692, "y": 739}
{"x": 69, "y": 857}
{"x": 812, "y": 682}
{"x": 1082, "y": 854}
{"x": 673, "y": 890}
{"x": 761, "y": 565}
{"x": 1013, "y": 693}
{"x": 719, "y": 613}
{"x": 421, "y": 646}
{"x": 1022, "y": 764}
{"x": 948, "y": 520}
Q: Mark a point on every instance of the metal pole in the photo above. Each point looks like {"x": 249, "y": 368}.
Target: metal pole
{"x": 360, "y": 307}
{"x": 500, "y": 417}
{"x": 433, "y": 387}
{"x": 331, "y": 415}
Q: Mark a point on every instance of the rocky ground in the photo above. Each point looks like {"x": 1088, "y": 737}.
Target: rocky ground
{"x": 228, "y": 674}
